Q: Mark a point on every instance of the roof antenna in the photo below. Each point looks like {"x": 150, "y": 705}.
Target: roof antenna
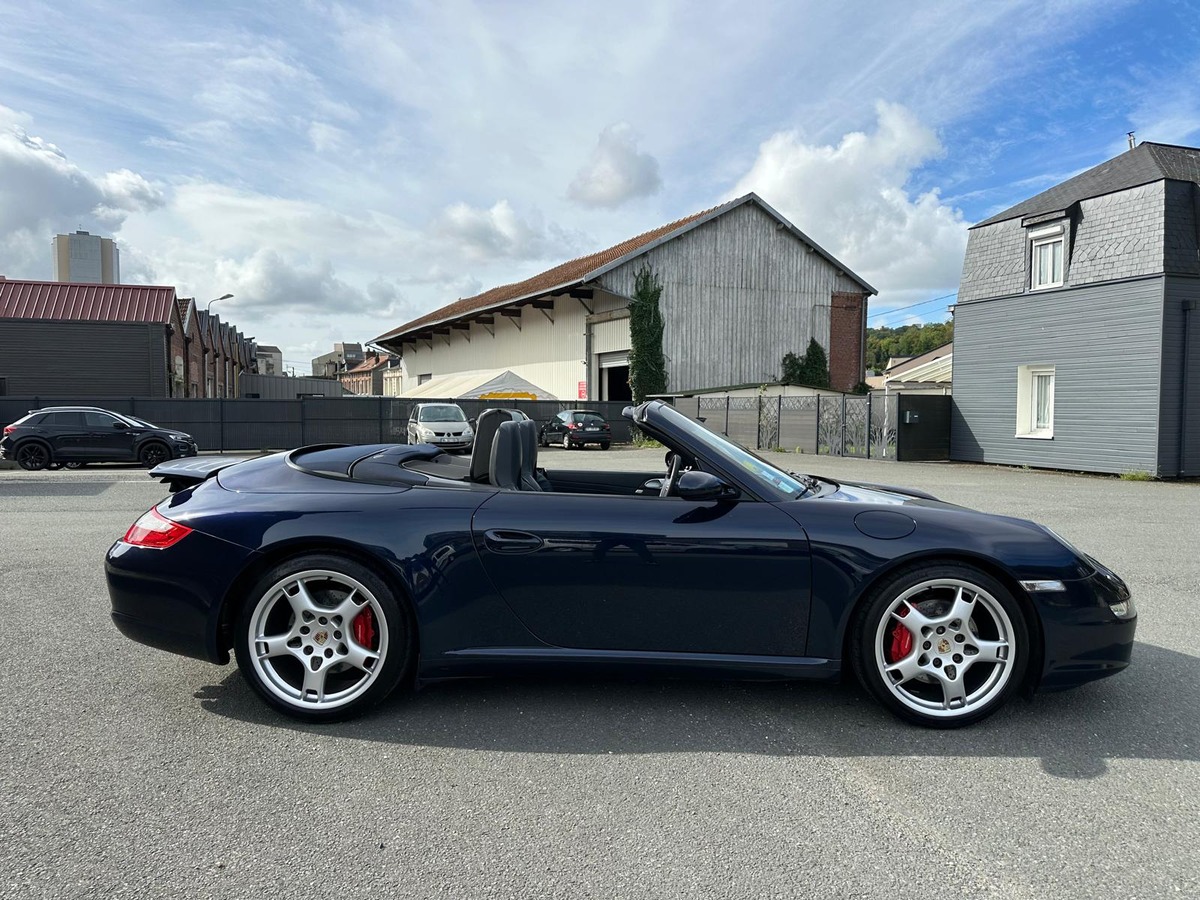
{"x": 1132, "y": 142}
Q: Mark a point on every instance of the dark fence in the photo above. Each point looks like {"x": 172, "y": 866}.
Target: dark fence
{"x": 831, "y": 424}
{"x": 283, "y": 424}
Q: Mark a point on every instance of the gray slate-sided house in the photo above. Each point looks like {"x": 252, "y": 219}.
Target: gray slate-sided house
{"x": 1076, "y": 343}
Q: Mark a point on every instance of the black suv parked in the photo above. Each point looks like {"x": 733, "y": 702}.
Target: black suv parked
{"x": 60, "y": 435}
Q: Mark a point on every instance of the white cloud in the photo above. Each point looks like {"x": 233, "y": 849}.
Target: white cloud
{"x": 496, "y": 233}
{"x": 43, "y": 193}
{"x": 617, "y": 172}
{"x": 852, "y": 199}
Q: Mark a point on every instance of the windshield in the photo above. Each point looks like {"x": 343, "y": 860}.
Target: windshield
{"x": 738, "y": 455}
{"x": 441, "y": 414}
{"x": 587, "y": 419}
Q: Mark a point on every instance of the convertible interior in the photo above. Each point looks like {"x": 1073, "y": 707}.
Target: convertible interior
{"x": 504, "y": 456}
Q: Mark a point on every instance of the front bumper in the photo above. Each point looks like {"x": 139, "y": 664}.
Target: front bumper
{"x": 1084, "y": 638}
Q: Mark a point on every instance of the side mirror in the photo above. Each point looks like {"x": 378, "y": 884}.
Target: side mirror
{"x": 703, "y": 486}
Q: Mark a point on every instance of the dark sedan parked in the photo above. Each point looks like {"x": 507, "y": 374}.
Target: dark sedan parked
{"x": 61, "y": 435}
{"x": 335, "y": 573}
{"x": 573, "y": 428}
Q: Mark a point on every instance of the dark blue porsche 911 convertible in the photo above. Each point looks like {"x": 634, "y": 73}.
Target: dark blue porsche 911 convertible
{"x": 335, "y": 573}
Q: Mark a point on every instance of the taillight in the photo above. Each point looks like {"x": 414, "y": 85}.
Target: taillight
{"x": 9, "y": 429}
{"x": 572, "y": 425}
{"x": 155, "y": 531}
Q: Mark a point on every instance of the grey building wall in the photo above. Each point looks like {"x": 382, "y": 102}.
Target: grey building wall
{"x": 1119, "y": 235}
{"x": 1181, "y": 253}
{"x": 82, "y": 359}
{"x": 1174, "y": 371}
{"x": 995, "y": 263}
{"x": 738, "y": 293}
{"x": 283, "y": 387}
{"x": 1104, "y": 342}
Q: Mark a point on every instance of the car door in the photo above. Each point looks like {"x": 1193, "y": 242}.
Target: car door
{"x": 649, "y": 574}
{"x": 554, "y": 429}
{"x": 66, "y": 434}
{"x": 108, "y": 438}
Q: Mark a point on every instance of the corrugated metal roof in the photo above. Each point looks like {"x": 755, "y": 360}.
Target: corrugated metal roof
{"x": 1145, "y": 163}
{"x": 66, "y": 301}
{"x": 585, "y": 268}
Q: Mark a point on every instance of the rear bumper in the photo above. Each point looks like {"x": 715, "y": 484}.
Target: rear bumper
{"x": 590, "y": 437}
{"x": 171, "y": 599}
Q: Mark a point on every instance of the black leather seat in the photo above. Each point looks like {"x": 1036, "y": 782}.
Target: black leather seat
{"x": 530, "y": 479}
{"x": 504, "y": 462}
{"x": 485, "y": 433}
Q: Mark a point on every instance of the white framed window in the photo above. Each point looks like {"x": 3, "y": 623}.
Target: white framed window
{"x": 1046, "y": 258}
{"x": 1035, "y": 402}
{"x": 427, "y": 376}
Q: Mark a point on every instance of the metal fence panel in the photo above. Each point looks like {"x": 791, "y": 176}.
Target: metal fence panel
{"x": 798, "y": 424}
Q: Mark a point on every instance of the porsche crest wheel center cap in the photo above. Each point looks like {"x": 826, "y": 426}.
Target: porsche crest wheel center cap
{"x": 322, "y": 636}
{"x": 943, "y": 645}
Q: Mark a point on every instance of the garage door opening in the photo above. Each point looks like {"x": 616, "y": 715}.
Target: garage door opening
{"x": 614, "y": 383}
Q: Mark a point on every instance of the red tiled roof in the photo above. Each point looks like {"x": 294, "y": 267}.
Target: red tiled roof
{"x": 85, "y": 302}
{"x": 567, "y": 273}
{"x": 369, "y": 364}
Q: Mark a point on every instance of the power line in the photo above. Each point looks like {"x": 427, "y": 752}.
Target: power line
{"x": 888, "y": 312}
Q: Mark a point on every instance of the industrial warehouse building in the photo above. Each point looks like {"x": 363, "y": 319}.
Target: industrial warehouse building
{"x": 742, "y": 287}
{"x": 114, "y": 340}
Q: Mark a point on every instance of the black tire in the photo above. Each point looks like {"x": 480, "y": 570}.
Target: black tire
{"x": 566, "y": 441}
{"x": 32, "y": 456}
{"x": 153, "y": 453}
{"x": 605, "y": 446}
{"x": 279, "y": 670}
{"x": 966, "y": 650}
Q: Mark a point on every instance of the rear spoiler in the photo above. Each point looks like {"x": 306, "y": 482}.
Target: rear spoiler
{"x": 178, "y": 474}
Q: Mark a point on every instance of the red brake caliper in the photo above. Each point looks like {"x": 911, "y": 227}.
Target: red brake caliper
{"x": 364, "y": 629}
{"x": 902, "y": 641}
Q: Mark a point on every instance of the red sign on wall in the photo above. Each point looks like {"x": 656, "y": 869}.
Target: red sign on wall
{"x": 583, "y": 390}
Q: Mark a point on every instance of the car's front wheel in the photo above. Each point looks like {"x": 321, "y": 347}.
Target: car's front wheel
{"x": 153, "y": 454}
{"x": 33, "y": 456}
{"x": 322, "y": 638}
{"x": 942, "y": 645}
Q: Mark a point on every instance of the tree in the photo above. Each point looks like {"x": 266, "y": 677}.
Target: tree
{"x": 647, "y": 364}
{"x": 811, "y": 370}
{"x": 907, "y": 340}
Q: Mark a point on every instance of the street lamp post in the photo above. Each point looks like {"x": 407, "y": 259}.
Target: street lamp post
{"x": 208, "y": 311}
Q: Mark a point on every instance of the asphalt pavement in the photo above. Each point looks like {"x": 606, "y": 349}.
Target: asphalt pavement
{"x": 131, "y": 773}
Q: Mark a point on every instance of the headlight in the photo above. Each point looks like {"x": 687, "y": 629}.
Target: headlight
{"x": 467, "y": 432}
{"x": 426, "y": 433}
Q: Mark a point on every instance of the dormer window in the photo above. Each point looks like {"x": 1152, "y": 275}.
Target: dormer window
{"x": 1046, "y": 258}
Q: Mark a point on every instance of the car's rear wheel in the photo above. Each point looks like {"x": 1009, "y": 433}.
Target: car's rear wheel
{"x": 33, "y": 456}
{"x": 941, "y": 645}
{"x": 322, "y": 638}
{"x": 605, "y": 446}
{"x": 153, "y": 454}
{"x": 566, "y": 444}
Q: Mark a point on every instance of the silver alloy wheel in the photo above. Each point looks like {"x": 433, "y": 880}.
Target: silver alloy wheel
{"x": 566, "y": 440}
{"x": 961, "y": 653}
{"x": 302, "y": 641}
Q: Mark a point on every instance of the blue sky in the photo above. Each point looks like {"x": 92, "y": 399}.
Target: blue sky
{"x": 342, "y": 168}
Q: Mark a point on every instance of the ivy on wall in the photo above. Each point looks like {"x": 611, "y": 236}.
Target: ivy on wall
{"x": 647, "y": 364}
